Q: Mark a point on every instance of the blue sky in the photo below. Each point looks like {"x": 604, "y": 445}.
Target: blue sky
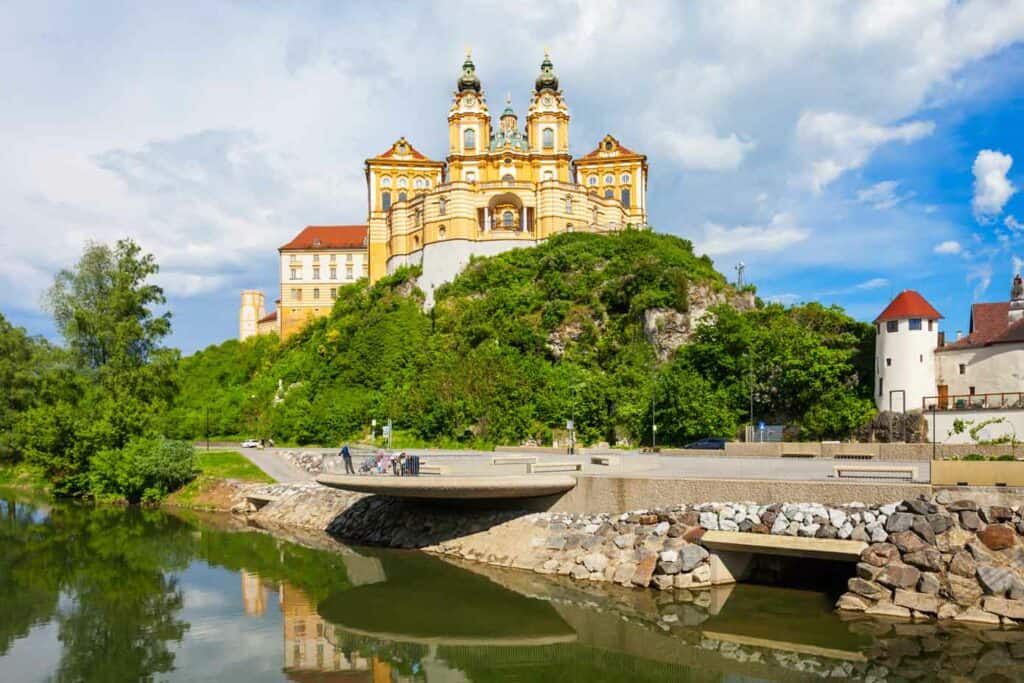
{"x": 843, "y": 151}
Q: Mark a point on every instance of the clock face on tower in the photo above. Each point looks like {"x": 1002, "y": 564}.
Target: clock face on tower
{"x": 547, "y": 100}
{"x": 469, "y": 100}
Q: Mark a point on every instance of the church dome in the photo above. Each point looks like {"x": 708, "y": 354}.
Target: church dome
{"x": 469, "y": 80}
{"x": 547, "y": 80}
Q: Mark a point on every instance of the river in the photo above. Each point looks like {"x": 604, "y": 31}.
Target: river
{"x": 108, "y": 594}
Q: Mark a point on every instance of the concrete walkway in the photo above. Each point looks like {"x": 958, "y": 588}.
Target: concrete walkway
{"x": 271, "y": 462}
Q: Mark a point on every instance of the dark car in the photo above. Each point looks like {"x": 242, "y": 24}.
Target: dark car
{"x": 710, "y": 443}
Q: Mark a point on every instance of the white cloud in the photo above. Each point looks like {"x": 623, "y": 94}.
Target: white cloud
{"x": 705, "y": 151}
{"x": 992, "y": 189}
{"x": 883, "y": 195}
{"x": 838, "y": 142}
{"x": 873, "y": 283}
{"x": 1013, "y": 224}
{"x": 981, "y": 274}
{"x": 779, "y": 234}
{"x": 948, "y": 247}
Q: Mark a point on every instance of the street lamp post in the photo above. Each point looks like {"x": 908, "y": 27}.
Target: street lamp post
{"x": 654, "y": 406}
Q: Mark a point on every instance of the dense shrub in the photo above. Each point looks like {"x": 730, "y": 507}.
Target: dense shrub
{"x": 145, "y": 470}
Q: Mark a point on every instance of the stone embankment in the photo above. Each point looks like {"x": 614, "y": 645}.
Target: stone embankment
{"x": 925, "y": 559}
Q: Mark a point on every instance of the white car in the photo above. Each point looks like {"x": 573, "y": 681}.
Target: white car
{"x": 251, "y": 443}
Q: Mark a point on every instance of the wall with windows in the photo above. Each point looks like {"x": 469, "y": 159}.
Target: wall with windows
{"x": 984, "y": 370}
{"x": 310, "y": 280}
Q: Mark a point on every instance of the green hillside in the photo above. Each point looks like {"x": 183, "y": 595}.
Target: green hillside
{"x": 521, "y": 341}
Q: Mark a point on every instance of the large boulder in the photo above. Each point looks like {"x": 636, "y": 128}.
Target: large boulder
{"x": 998, "y": 536}
{"x": 899, "y": 575}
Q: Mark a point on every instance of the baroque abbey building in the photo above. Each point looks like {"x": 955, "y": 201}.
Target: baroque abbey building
{"x": 500, "y": 187}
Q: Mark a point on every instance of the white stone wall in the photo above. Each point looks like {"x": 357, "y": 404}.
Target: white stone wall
{"x": 905, "y": 362}
{"x": 251, "y": 310}
{"x": 989, "y": 369}
{"x": 1013, "y": 424}
{"x": 442, "y": 261}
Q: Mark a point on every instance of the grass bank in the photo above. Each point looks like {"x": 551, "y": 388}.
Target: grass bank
{"x": 22, "y": 476}
{"x": 208, "y": 490}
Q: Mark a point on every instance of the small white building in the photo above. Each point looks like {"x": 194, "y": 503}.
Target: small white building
{"x": 977, "y": 378}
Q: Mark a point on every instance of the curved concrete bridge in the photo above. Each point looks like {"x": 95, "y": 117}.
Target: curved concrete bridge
{"x": 454, "y": 487}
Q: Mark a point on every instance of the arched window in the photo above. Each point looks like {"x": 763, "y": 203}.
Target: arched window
{"x": 568, "y": 227}
{"x": 592, "y": 180}
{"x": 609, "y": 193}
{"x": 427, "y": 182}
{"x": 470, "y": 177}
{"x": 508, "y": 178}
{"x": 385, "y": 200}
{"x": 418, "y": 183}
{"x": 385, "y": 182}
{"x": 625, "y": 197}
{"x": 609, "y": 179}
{"x": 506, "y": 219}
{"x": 440, "y": 232}
{"x": 402, "y": 196}
{"x": 403, "y": 182}
{"x": 548, "y": 138}
{"x": 624, "y": 179}
{"x": 416, "y": 240}
{"x": 469, "y": 138}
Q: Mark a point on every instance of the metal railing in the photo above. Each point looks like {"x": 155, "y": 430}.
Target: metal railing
{"x": 994, "y": 401}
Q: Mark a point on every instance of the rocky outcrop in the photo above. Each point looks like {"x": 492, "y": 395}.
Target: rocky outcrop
{"x": 668, "y": 328}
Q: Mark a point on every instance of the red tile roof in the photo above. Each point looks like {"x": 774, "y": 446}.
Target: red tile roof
{"x": 619, "y": 147}
{"x": 268, "y": 318}
{"x": 411, "y": 151}
{"x": 990, "y": 324}
{"x": 908, "y": 304}
{"x": 329, "y": 237}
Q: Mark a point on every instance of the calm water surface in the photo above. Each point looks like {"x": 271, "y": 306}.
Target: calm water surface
{"x": 113, "y": 595}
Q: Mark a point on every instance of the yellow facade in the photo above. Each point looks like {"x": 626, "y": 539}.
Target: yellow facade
{"x": 499, "y": 183}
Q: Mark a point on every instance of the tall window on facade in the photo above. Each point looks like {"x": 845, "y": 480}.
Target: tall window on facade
{"x": 403, "y": 182}
{"x": 625, "y": 197}
{"x": 348, "y": 258}
{"x": 915, "y": 324}
{"x": 548, "y": 138}
{"x": 297, "y": 293}
{"x": 879, "y": 386}
{"x": 316, "y": 293}
{"x": 418, "y": 183}
{"x": 568, "y": 204}
{"x": 348, "y": 272}
{"x": 609, "y": 179}
{"x": 963, "y": 368}
{"x": 442, "y": 206}
{"x": 592, "y": 180}
{"x": 624, "y": 179}
{"x": 334, "y": 293}
{"x": 295, "y": 273}
{"x": 506, "y": 219}
{"x": 316, "y": 257}
{"x": 366, "y": 267}
{"x": 892, "y": 326}
{"x": 931, "y": 325}
{"x": 334, "y": 272}
{"x": 441, "y": 232}
{"x": 316, "y": 273}
{"x": 402, "y": 196}
{"x": 385, "y": 200}
{"x": 469, "y": 138}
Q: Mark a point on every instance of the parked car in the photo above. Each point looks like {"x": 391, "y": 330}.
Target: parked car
{"x": 251, "y": 443}
{"x": 708, "y": 443}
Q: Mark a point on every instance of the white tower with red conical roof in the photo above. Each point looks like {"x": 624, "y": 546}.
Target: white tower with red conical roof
{"x": 906, "y": 336}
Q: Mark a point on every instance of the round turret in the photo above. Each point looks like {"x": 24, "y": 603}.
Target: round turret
{"x": 468, "y": 80}
{"x": 906, "y": 336}
{"x": 547, "y": 80}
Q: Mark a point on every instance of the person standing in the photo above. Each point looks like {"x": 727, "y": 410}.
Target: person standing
{"x": 347, "y": 457}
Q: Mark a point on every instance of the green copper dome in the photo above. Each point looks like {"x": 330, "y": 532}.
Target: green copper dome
{"x": 547, "y": 80}
{"x": 468, "y": 80}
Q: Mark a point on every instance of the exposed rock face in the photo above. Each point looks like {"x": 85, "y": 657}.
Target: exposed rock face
{"x": 667, "y": 328}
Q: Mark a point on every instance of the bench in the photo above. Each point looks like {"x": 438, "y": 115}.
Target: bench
{"x": 798, "y": 455}
{"x": 433, "y": 469}
{"x": 875, "y": 472}
{"x": 540, "y": 467}
{"x": 606, "y": 460}
{"x": 853, "y": 456}
{"x": 514, "y": 460}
